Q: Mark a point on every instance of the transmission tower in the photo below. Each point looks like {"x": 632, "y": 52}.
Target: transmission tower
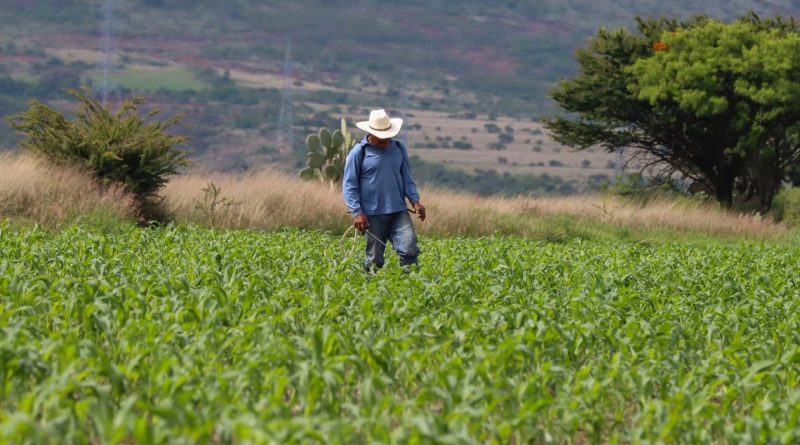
{"x": 285, "y": 142}
{"x": 105, "y": 66}
{"x": 402, "y": 106}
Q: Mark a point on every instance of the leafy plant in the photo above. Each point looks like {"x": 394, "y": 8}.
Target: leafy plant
{"x": 122, "y": 147}
{"x": 214, "y": 204}
{"x": 327, "y": 153}
{"x": 787, "y": 206}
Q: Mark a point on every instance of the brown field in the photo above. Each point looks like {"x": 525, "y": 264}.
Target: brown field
{"x": 521, "y": 156}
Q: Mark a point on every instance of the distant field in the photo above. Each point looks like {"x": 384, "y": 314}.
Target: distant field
{"x": 531, "y": 152}
{"x": 456, "y": 138}
{"x": 146, "y": 78}
{"x": 184, "y": 335}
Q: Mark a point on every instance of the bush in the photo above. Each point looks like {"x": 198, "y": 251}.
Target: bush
{"x": 786, "y": 207}
{"x": 247, "y": 121}
{"x": 120, "y": 148}
{"x": 492, "y": 128}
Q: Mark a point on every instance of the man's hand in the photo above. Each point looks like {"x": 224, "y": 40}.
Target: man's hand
{"x": 420, "y": 211}
{"x": 361, "y": 223}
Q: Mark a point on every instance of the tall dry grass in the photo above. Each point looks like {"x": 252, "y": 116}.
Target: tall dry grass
{"x": 270, "y": 200}
{"x": 35, "y": 190}
{"x": 265, "y": 201}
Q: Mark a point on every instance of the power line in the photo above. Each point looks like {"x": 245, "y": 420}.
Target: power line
{"x": 107, "y": 47}
{"x": 402, "y": 105}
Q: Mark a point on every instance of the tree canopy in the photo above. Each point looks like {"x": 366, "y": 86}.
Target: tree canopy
{"x": 711, "y": 102}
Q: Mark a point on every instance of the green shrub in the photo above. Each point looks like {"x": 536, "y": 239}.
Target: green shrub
{"x": 123, "y": 148}
{"x": 786, "y": 207}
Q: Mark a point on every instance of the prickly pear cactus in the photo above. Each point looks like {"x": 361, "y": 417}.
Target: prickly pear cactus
{"x": 327, "y": 152}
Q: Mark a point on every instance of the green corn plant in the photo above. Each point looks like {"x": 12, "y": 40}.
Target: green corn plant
{"x": 180, "y": 334}
{"x": 327, "y": 152}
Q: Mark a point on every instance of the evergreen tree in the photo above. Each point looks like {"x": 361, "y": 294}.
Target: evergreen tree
{"x": 122, "y": 147}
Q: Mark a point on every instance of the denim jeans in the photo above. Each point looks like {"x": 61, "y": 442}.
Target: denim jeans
{"x": 397, "y": 228}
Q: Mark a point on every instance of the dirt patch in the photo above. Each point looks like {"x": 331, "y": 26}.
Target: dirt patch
{"x": 414, "y": 27}
{"x": 18, "y": 59}
{"x": 488, "y": 59}
{"x": 533, "y": 28}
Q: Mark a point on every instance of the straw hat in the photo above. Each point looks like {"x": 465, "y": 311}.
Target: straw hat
{"x": 380, "y": 125}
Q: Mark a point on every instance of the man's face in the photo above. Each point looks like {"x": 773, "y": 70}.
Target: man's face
{"x": 380, "y": 143}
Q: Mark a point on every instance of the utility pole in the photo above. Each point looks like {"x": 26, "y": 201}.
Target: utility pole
{"x": 285, "y": 141}
{"x": 402, "y": 106}
{"x": 107, "y": 47}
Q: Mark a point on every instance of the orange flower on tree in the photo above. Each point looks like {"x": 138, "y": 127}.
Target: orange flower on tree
{"x": 660, "y": 47}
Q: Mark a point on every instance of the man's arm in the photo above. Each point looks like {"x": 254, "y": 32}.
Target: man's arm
{"x": 350, "y": 186}
{"x": 410, "y": 186}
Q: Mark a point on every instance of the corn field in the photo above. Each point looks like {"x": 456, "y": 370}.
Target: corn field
{"x": 186, "y": 335}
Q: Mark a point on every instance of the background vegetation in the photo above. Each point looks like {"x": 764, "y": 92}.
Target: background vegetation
{"x": 221, "y": 63}
{"x": 703, "y": 101}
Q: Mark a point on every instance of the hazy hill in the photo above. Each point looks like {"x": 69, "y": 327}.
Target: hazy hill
{"x": 507, "y": 52}
{"x": 223, "y": 61}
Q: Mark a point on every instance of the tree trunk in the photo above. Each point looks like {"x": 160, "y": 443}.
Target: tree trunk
{"x": 768, "y": 188}
{"x": 723, "y": 189}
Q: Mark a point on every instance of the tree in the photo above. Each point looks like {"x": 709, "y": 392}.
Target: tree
{"x": 712, "y": 102}
{"x": 119, "y": 148}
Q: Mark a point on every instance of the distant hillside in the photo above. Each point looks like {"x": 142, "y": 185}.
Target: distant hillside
{"x": 451, "y": 68}
{"x": 503, "y": 55}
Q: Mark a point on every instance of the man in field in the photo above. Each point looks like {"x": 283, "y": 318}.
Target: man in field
{"x": 377, "y": 181}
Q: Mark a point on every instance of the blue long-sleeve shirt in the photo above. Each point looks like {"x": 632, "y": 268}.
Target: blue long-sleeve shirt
{"x": 384, "y": 183}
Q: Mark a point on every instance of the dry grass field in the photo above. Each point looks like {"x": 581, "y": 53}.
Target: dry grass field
{"x": 34, "y": 190}
{"x": 270, "y": 199}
